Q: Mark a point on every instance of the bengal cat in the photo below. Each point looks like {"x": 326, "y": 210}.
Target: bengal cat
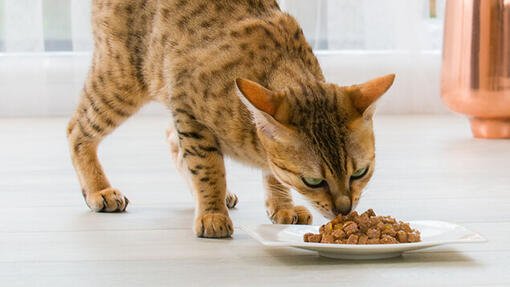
{"x": 240, "y": 80}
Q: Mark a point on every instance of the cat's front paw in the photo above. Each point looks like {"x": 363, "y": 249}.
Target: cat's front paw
{"x": 107, "y": 200}
{"x": 294, "y": 215}
{"x": 213, "y": 225}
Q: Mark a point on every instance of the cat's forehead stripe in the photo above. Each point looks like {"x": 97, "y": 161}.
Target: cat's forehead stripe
{"x": 322, "y": 124}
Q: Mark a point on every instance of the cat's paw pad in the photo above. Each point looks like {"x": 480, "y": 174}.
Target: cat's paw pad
{"x": 213, "y": 225}
{"x": 231, "y": 200}
{"x": 294, "y": 215}
{"x": 107, "y": 200}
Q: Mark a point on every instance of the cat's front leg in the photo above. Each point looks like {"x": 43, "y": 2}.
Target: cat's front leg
{"x": 280, "y": 206}
{"x": 200, "y": 161}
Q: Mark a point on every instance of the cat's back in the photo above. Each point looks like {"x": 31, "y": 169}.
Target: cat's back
{"x": 119, "y": 17}
{"x": 204, "y": 20}
{"x": 215, "y": 33}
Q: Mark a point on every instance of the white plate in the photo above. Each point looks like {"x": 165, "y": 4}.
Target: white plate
{"x": 433, "y": 233}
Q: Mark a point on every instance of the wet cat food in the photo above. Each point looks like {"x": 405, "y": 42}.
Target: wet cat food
{"x": 367, "y": 228}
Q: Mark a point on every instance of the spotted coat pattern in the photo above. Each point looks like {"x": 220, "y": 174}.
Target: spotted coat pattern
{"x": 186, "y": 55}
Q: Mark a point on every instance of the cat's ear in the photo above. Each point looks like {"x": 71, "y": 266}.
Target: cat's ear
{"x": 256, "y": 96}
{"x": 365, "y": 95}
{"x": 269, "y": 109}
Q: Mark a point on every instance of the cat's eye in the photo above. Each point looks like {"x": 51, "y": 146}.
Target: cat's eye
{"x": 313, "y": 182}
{"x": 359, "y": 173}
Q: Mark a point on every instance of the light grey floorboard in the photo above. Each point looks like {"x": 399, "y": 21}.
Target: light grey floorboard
{"x": 428, "y": 167}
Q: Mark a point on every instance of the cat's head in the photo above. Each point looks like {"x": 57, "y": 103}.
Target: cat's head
{"x": 318, "y": 138}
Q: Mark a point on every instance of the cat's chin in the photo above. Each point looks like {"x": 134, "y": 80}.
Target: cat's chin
{"x": 354, "y": 205}
{"x": 329, "y": 216}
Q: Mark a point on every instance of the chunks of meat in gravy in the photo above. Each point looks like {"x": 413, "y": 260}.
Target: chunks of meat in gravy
{"x": 367, "y": 228}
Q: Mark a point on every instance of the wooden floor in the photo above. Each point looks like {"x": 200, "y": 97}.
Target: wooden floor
{"x": 428, "y": 167}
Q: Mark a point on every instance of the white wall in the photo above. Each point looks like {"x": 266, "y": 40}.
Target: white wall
{"x": 417, "y": 84}
{"x": 49, "y": 84}
{"x": 45, "y": 84}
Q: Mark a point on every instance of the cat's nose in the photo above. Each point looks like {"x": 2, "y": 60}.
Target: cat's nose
{"x": 343, "y": 204}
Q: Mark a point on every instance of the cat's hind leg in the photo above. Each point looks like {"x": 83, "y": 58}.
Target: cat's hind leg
{"x": 173, "y": 140}
{"x": 231, "y": 200}
{"x": 106, "y": 102}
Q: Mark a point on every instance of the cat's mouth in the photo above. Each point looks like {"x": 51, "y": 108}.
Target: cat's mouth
{"x": 329, "y": 215}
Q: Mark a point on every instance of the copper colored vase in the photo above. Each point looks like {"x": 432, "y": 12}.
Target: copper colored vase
{"x": 475, "y": 77}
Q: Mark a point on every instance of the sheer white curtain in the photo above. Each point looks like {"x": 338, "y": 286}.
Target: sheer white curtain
{"x": 48, "y": 44}
{"x": 328, "y": 24}
{"x": 23, "y": 25}
{"x": 81, "y": 28}
{"x": 45, "y": 25}
{"x": 370, "y": 24}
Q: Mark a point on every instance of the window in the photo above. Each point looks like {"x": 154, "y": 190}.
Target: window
{"x": 63, "y": 25}
{"x": 48, "y": 43}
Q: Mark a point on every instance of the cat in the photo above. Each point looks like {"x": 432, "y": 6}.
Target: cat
{"x": 240, "y": 80}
